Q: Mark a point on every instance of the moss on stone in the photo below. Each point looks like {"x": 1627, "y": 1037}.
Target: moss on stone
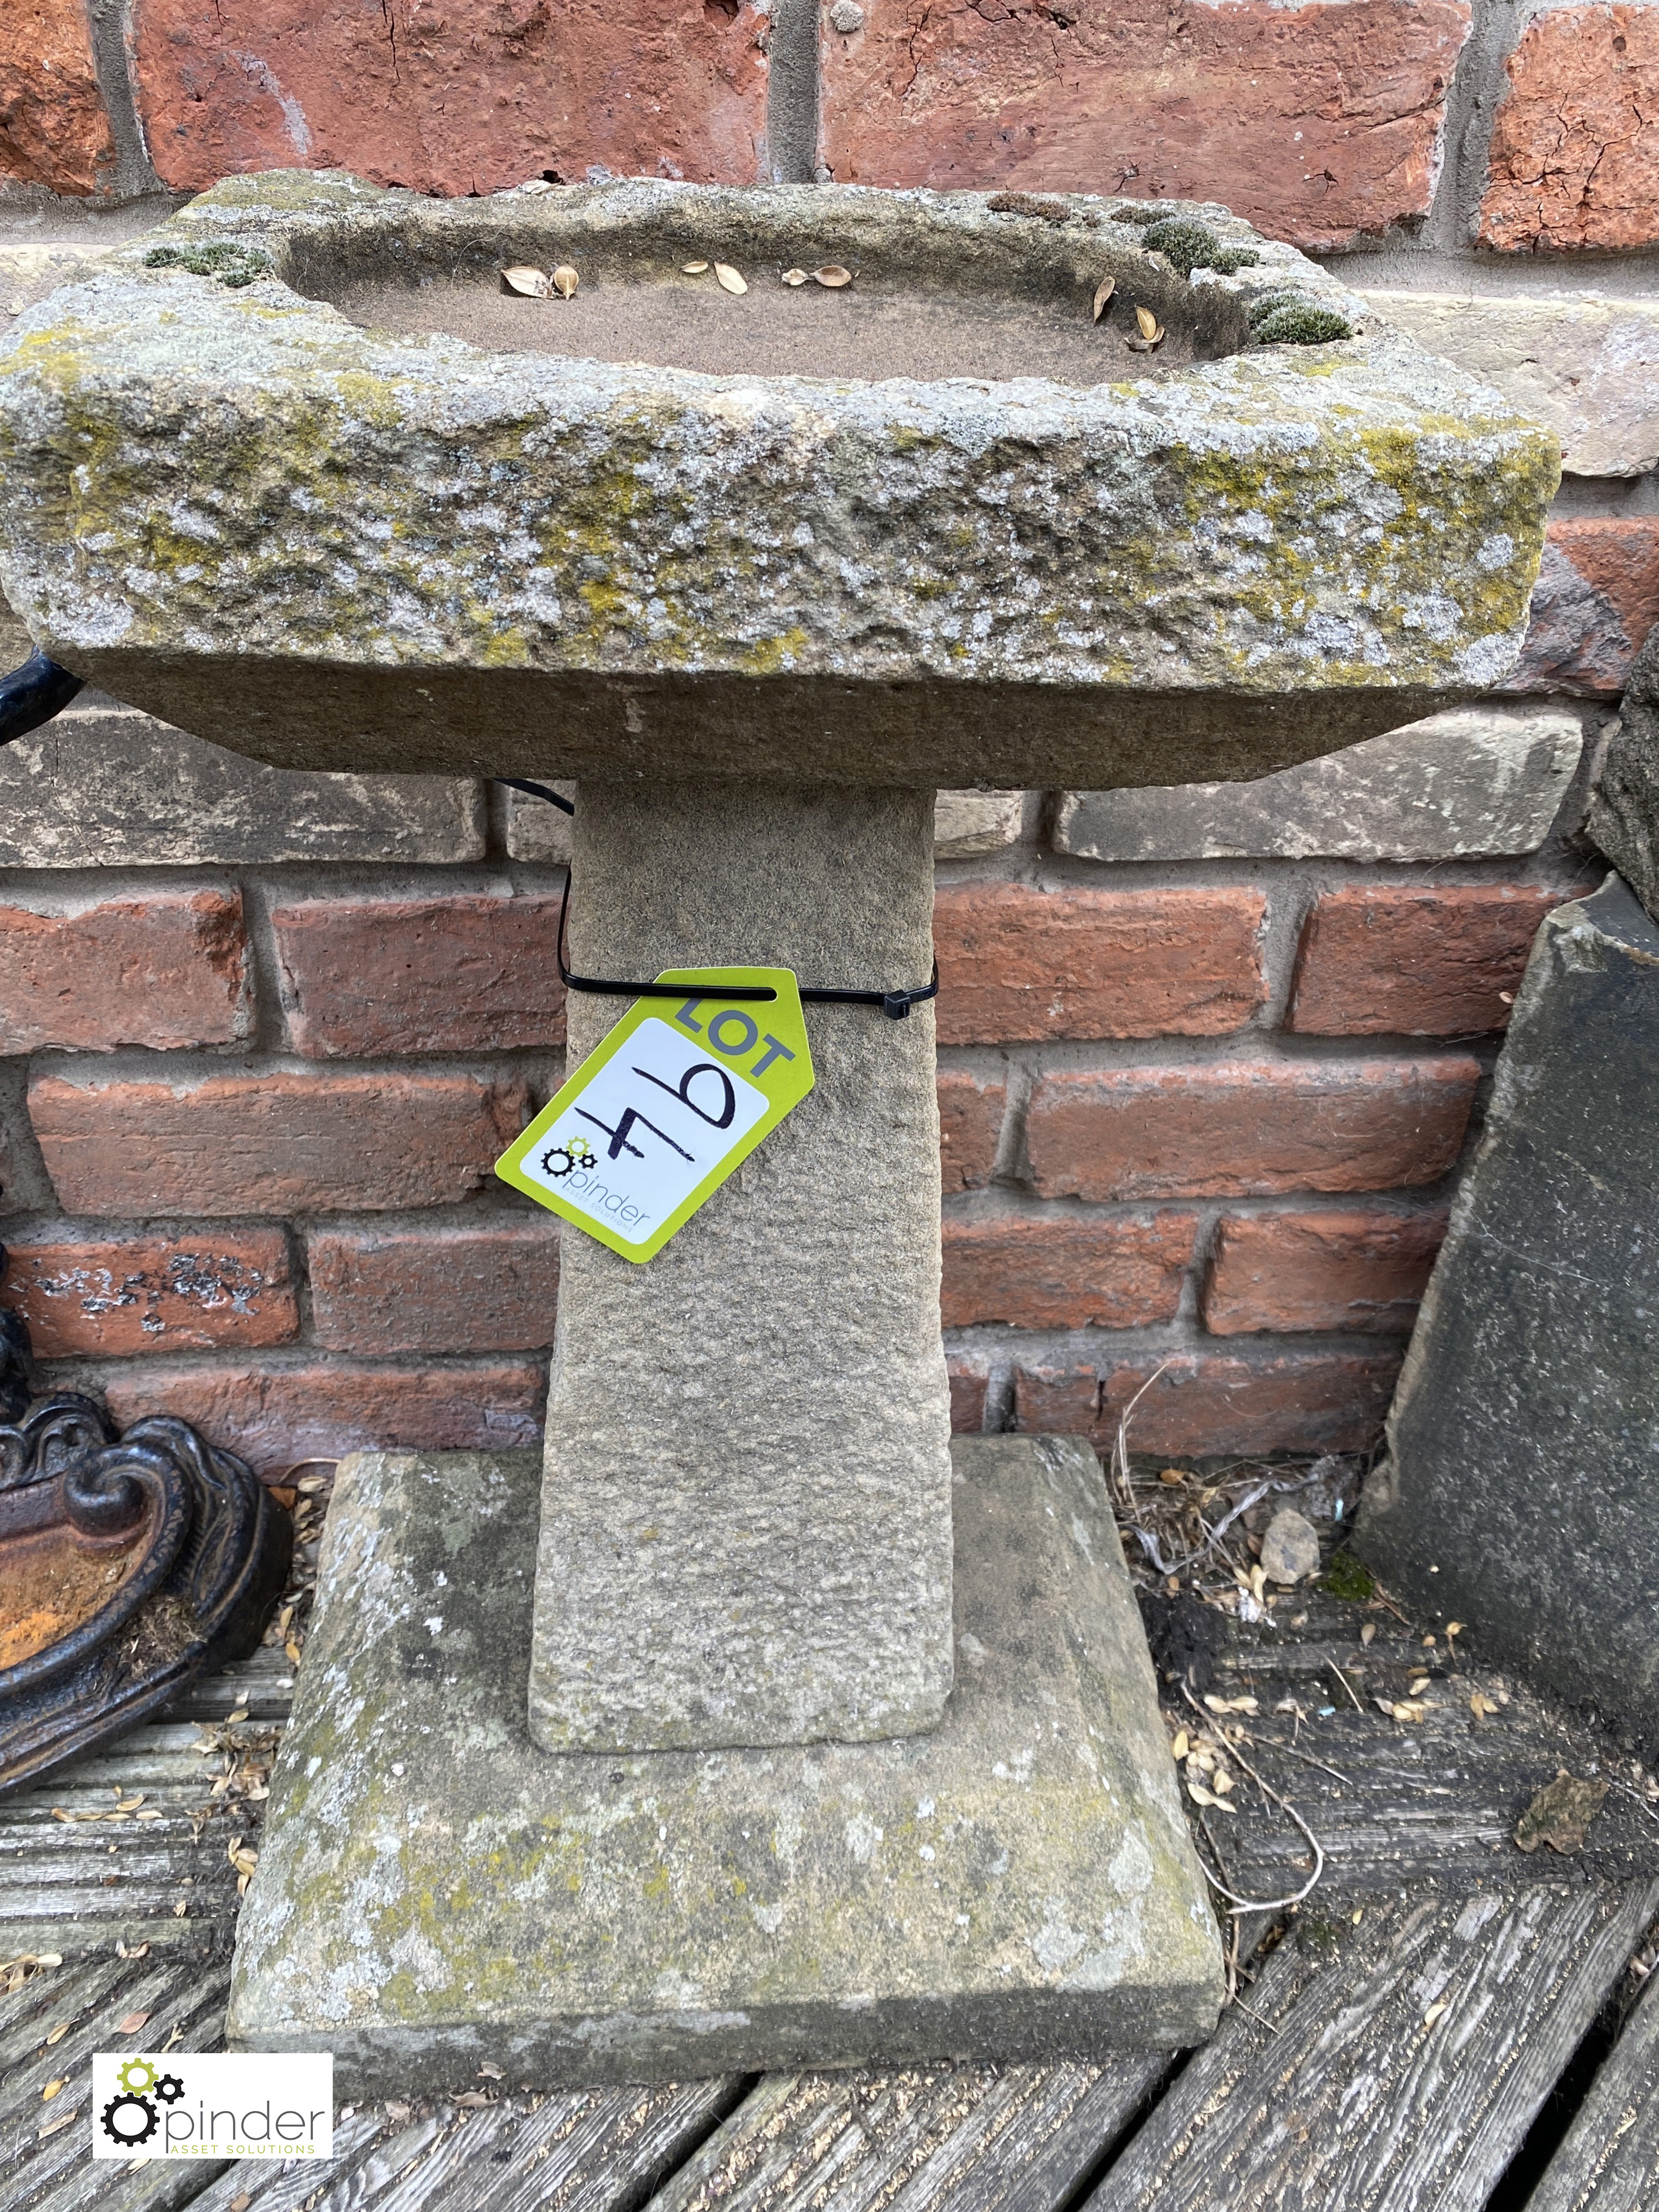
{"x": 1186, "y": 244}
{"x": 1301, "y": 322}
{"x": 1349, "y": 1579}
{"x": 235, "y": 266}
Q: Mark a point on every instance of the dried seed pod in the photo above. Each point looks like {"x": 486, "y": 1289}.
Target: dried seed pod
{"x": 529, "y": 283}
{"x": 727, "y": 277}
{"x": 565, "y": 280}
{"x": 1146, "y": 321}
{"x": 1108, "y": 285}
{"x": 795, "y": 277}
{"x": 694, "y": 268}
{"x": 832, "y": 276}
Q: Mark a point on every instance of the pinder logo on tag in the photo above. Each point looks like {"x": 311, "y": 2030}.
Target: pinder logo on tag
{"x": 225, "y": 2105}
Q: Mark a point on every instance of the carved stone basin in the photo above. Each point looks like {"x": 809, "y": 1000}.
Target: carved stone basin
{"x": 801, "y": 1778}
{"x": 861, "y": 553}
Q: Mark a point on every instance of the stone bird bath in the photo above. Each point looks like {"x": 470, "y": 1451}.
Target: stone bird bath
{"x": 759, "y": 570}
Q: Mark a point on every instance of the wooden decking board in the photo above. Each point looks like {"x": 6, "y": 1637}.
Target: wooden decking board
{"x": 61, "y": 1887}
{"x": 1348, "y": 2097}
{"x": 1608, "y": 2161}
{"x": 596, "y": 2150}
{"x": 1431, "y": 1800}
{"x": 996, "y": 2138}
{"x": 176, "y": 1993}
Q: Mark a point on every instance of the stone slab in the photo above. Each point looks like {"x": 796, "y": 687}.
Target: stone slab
{"x": 746, "y": 1524}
{"x": 967, "y": 823}
{"x": 1478, "y": 780}
{"x": 106, "y": 786}
{"x": 1586, "y": 368}
{"x": 433, "y": 1892}
{"x": 404, "y": 552}
{"x": 1521, "y": 1491}
{"x": 1624, "y": 807}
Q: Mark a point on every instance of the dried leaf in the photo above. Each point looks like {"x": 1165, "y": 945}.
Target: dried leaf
{"x": 491, "y": 2072}
{"x": 1560, "y": 1814}
{"x": 1180, "y": 1747}
{"x": 181, "y": 1910}
{"x": 58, "y": 2033}
{"x": 149, "y": 1812}
{"x": 1170, "y": 1475}
{"x": 52, "y": 2087}
{"x": 240, "y": 1714}
{"x": 48, "y": 1959}
{"x": 470, "y": 2100}
{"x": 1435, "y": 2011}
{"x": 1108, "y": 285}
{"x": 1418, "y": 1686}
{"x": 1368, "y": 1633}
{"x": 1147, "y": 323}
{"x": 1199, "y": 1794}
{"x": 832, "y": 276}
{"x": 529, "y": 283}
{"x": 51, "y": 2127}
{"x": 133, "y": 2023}
{"x": 727, "y": 277}
{"x": 565, "y": 281}
{"x": 1481, "y": 1706}
{"x": 796, "y": 276}
{"x": 1454, "y": 1628}
{"x": 1223, "y": 1780}
{"x": 694, "y": 268}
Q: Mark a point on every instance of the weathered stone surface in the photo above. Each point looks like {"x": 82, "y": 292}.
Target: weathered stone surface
{"x": 465, "y": 98}
{"x": 54, "y": 128}
{"x": 1624, "y": 809}
{"x": 433, "y": 1892}
{"x": 1478, "y": 780}
{"x": 1317, "y": 122}
{"x": 536, "y": 831}
{"x": 1588, "y": 367}
{"x": 1227, "y": 565}
{"x": 746, "y": 1523}
{"x": 969, "y": 822}
{"x": 104, "y": 786}
{"x": 1521, "y": 1487}
{"x": 1597, "y": 598}
{"x": 1572, "y": 161}
{"x": 1290, "y": 1548}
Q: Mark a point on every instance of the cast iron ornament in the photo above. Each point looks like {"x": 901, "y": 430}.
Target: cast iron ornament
{"x": 128, "y": 1565}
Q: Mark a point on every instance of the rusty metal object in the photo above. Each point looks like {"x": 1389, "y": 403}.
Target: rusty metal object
{"x": 128, "y": 1564}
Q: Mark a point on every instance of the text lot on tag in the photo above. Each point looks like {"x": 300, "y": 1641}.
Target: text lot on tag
{"x": 661, "y": 1112}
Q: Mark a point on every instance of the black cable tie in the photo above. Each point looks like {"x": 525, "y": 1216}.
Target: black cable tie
{"x": 537, "y": 791}
{"x": 895, "y": 1004}
{"x": 33, "y": 694}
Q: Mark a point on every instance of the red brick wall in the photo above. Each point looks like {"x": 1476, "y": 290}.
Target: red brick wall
{"x": 1204, "y": 1096}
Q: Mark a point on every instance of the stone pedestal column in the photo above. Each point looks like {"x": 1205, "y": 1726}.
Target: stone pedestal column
{"x": 746, "y": 1508}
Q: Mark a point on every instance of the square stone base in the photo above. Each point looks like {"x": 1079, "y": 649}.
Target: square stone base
{"x": 433, "y": 1891}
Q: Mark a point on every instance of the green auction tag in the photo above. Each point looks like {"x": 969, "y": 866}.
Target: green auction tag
{"x": 659, "y": 1114}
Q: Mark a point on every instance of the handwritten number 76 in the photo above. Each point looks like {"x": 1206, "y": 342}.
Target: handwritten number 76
{"x": 682, "y": 1091}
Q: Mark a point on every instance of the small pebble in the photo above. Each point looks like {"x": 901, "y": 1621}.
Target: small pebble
{"x": 847, "y": 15}
{"x": 1289, "y": 1548}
